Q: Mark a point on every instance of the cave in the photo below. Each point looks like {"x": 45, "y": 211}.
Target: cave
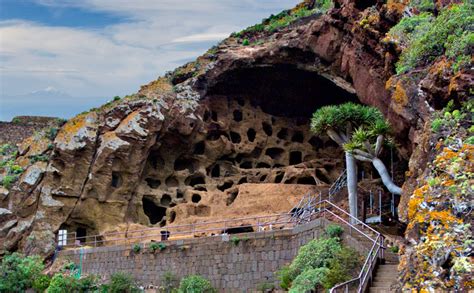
{"x": 165, "y": 200}
{"x": 237, "y": 115}
{"x": 283, "y": 89}
{"x": 283, "y": 133}
{"x": 116, "y": 180}
{"x": 235, "y": 137}
{"x": 196, "y": 198}
{"x": 306, "y": 180}
{"x": 154, "y": 212}
{"x": 153, "y": 183}
{"x": 184, "y": 163}
{"x": 295, "y": 157}
{"x": 199, "y": 148}
{"x": 195, "y": 180}
{"x": 267, "y": 128}
{"x": 251, "y": 134}
{"x": 231, "y": 197}
{"x": 226, "y": 185}
{"x": 81, "y": 234}
{"x": 274, "y": 153}
{"x": 297, "y": 137}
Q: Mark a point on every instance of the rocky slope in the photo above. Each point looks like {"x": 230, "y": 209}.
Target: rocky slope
{"x": 229, "y": 133}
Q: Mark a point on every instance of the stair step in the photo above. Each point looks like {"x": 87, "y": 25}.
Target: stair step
{"x": 387, "y": 284}
{"x": 385, "y": 279}
{"x": 380, "y": 290}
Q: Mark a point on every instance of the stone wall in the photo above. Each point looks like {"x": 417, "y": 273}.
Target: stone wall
{"x": 230, "y": 267}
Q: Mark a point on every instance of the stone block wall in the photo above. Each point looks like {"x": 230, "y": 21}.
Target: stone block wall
{"x": 229, "y": 266}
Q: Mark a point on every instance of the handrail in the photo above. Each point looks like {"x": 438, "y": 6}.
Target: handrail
{"x": 273, "y": 219}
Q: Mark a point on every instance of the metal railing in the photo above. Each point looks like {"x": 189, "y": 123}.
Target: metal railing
{"x": 177, "y": 232}
{"x": 376, "y": 251}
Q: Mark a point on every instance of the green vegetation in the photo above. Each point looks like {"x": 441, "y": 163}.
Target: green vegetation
{"x": 169, "y": 283}
{"x": 195, "y": 284}
{"x": 283, "y": 19}
{"x": 39, "y": 158}
{"x": 245, "y": 42}
{"x": 155, "y": 246}
{"x": 12, "y": 171}
{"x": 424, "y": 37}
{"x": 394, "y": 249}
{"x": 19, "y": 273}
{"x": 136, "y": 248}
{"x": 121, "y": 282}
{"x": 422, "y": 5}
{"x": 235, "y": 240}
{"x": 51, "y": 132}
{"x": 334, "y": 230}
{"x": 322, "y": 263}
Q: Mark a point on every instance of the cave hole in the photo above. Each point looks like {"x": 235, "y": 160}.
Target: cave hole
{"x": 242, "y": 180}
{"x": 237, "y": 115}
{"x": 215, "y": 134}
{"x": 322, "y": 175}
{"x": 251, "y": 133}
{"x": 200, "y": 188}
{"x": 267, "y": 128}
{"x": 155, "y": 159}
{"x": 179, "y": 194}
{"x": 330, "y": 144}
{"x": 116, "y": 179}
{"x": 231, "y": 197}
{"x": 279, "y": 177}
{"x": 199, "y": 148}
{"x": 295, "y": 157}
{"x": 165, "y": 200}
{"x": 172, "y": 182}
{"x": 263, "y": 165}
{"x": 263, "y": 178}
{"x": 297, "y": 137}
{"x": 172, "y": 217}
{"x": 283, "y": 133}
{"x": 308, "y": 180}
{"x": 274, "y": 153}
{"x": 195, "y": 180}
{"x": 316, "y": 142}
{"x": 206, "y": 116}
{"x": 216, "y": 171}
{"x": 81, "y": 234}
{"x": 184, "y": 163}
{"x": 195, "y": 198}
{"x": 214, "y": 116}
{"x": 154, "y": 212}
{"x": 153, "y": 183}
{"x": 257, "y": 151}
{"x": 235, "y": 137}
{"x": 246, "y": 165}
{"x": 278, "y": 166}
{"x": 225, "y": 185}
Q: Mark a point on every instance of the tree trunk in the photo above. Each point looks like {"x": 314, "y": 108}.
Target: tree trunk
{"x": 387, "y": 181}
{"x": 352, "y": 185}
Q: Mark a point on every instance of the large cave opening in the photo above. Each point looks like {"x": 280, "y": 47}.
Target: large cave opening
{"x": 282, "y": 90}
{"x": 155, "y": 213}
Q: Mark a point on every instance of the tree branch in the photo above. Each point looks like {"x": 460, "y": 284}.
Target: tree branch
{"x": 378, "y": 145}
{"x": 335, "y": 136}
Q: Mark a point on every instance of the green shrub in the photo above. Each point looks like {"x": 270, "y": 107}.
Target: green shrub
{"x": 169, "y": 283}
{"x": 52, "y": 132}
{"x": 153, "y": 246}
{"x": 41, "y": 283}
{"x": 7, "y": 149}
{"x": 316, "y": 254}
{"x": 19, "y": 272}
{"x": 9, "y": 180}
{"x": 195, "y": 284}
{"x": 63, "y": 283}
{"x": 449, "y": 33}
{"x": 286, "y": 276}
{"x": 39, "y": 158}
{"x": 394, "y": 249}
{"x": 341, "y": 266}
{"x": 89, "y": 283}
{"x": 136, "y": 248}
{"x": 334, "y": 230}
{"x": 308, "y": 280}
{"x": 235, "y": 240}
{"x": 116, "y": 98}
{"x": 245, "y": 42}
{"x": 422, "y": 5}
{"x": 436, "y": 124}
{"x": 122, "y": 282}
{"x": 161, "y": 246}
{"x": 469, "y": 140}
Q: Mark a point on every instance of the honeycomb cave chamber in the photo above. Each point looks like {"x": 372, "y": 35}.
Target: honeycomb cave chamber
{"x": 252, "y": 128}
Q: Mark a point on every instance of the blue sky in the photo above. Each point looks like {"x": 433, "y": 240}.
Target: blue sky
{"x": 61, "y": 57}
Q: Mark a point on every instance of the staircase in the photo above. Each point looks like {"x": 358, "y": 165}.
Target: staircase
{"x": 386, "y": 275}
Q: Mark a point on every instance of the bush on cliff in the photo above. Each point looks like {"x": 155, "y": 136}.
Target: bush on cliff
{"x": 195, "y": 284}
{"x": 18, "y": 273}
{"x": 423, "y": 37}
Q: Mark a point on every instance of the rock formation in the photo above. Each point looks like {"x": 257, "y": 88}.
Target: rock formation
{"x": 233, "y": 125}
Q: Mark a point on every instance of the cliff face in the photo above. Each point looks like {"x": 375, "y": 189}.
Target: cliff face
{"x": 229, "y": 133}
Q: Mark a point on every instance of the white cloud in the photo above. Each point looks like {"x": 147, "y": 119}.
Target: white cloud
{"x": 156, "y": 36}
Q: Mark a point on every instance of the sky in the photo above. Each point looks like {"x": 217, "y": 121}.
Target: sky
{"x": 61, "y": 57}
